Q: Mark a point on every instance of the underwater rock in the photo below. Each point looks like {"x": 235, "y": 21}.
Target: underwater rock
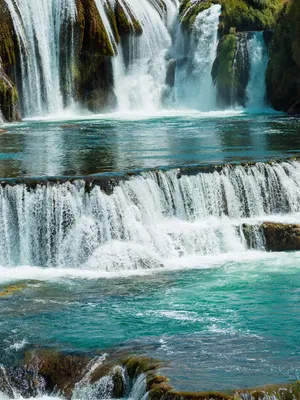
{"x": 283, "y": 73}
{"x": 9, "y": 290}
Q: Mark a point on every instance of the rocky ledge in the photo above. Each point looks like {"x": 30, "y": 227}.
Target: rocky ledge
{"x": 276, "y": 236}
{"x": 46, "y": 371}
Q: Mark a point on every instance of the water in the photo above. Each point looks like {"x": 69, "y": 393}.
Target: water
{"x": 193, "y": 82}
{"x": 44, "y": 68}
{"x": 157, "y": 263}
{"x": 256, "y": 89}
{"x": 126, "y": 142}
{"x": 48, "y": 58}
{"x": 160, "y": 266}
{"x": 149, "y": 222}
{"x": 140, "y": 67}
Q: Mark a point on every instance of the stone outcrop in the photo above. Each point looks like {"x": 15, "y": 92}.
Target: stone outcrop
{"x": 8, "y": 98}
{"x": 95, "y": 49}
{"x": 231, "y": 69}
{"x": 283, "y": 74}
{"x": 45, "y": 371}
{"x": 8, "y": 59}
{"x": 276, "y": 236}
{"x": 242, "y": 15}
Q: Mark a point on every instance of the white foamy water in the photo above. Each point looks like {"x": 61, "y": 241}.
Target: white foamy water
{"x": 151, "y": 222}
{"x": 39, "y": 26}
{"x": 193, "y": 82}
{"x": 256, "y": 89}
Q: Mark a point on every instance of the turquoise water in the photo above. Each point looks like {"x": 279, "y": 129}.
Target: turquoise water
{"x": 234, "y": 324}
{"x": 219, "y": 319}
{"x": 113, "y": 143}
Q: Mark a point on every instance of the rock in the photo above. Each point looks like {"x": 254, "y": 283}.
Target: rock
{"x": 231, "y": 68}
{"x": 268, "y": 36}
{"x": 171, "y": 69}
{"x": 2, "y": 131}
{"x": 283, "y": 72}
{"x": 281, "y": 237}
{"x": 9, "y": 290}
{"x": 8, "y": 99}
{"x": 60, "y": 371}
{"x": 249, "y": 15}
{"x": 8, "y": 37}
{"x": 295, "y": 109}
{"x": 276, "y": 236}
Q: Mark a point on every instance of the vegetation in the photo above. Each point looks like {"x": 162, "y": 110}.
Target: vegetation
{"x": 243, "y": 15}
{"x": 283, "y": 74}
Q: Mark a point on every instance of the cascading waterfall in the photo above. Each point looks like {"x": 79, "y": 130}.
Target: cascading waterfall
{"x": 193, "y": 82}
{"x": 43, "y": 66}
{"x": 140, "y": 66}
{"x": 258, "y": 54}
{"x": 153, "y": 220}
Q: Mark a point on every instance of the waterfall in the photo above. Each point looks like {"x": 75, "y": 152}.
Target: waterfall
{"x": 193, "y": 82}
{"x": 149, "y": 221}
{"x": 140, "y": 66}
{"x": 258, "y": 54}
{"x": 46, "y": 62}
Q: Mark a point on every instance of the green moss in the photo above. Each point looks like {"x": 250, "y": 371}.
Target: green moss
{"x": 283, "y": 73}
{"x": 223, "y": 72}
{"x": 243, "y": 15}
{"x": 8, "y": 98}
{"x": 250, "y": 15}
{"x": 188, "y": 11}
{"x": 94, "y": 38}
{"x": 8, "y": 40}
{"x": 126, "y": 25}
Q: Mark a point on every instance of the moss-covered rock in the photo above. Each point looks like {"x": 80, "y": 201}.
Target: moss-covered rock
{"x": 276, "y": 236}
{"x": 8, "y": 39}
{"x": 242, "y": 15}
{"x": 126, "y": 21}
{"x": 189, "y": 10}
{"x": 223, "y": 71}
{"x": 61, "y": 372}
{"x": 249, "y": 15}
{"x": 283, "y": 73}
{"x": 8, "y": 99}
{"x": 8, "y": 56}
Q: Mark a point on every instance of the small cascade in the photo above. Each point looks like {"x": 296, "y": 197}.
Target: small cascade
{"x": 193, "y": 82}
{"x": 241, "y": 67}
{"x": 140, "y": 67}
{"x": 148, "y": 221}
{"x": 258, "y": 54}
{"x": 46, "y": 55}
